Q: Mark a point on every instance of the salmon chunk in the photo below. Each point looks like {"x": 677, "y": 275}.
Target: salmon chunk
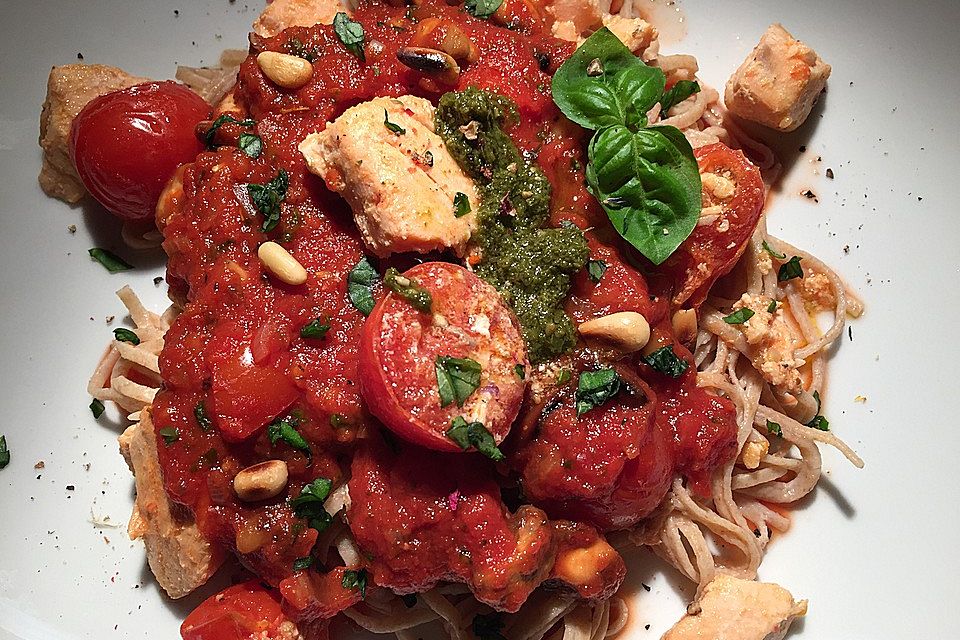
{"x": 281, "y": 14}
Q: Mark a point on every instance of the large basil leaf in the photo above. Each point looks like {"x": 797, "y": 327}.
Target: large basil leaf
{"x": 648, "y": 183}
{"x": 604, "y": 84}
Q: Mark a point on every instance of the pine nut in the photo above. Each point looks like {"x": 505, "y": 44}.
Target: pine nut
{"x": 280, "y": 263}
{"x": 261, "y": 481}
{"x": 289, "y": 72}
{"x": 684, "y": 324}
{"x": 626, "y": 331}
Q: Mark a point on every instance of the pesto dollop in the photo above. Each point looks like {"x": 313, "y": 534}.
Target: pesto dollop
{"x": 531, "y": 265}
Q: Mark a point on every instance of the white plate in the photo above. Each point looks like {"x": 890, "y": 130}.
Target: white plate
{"x": 874, "y": 550}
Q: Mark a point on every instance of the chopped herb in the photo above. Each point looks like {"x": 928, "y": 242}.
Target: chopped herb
{"x": 679, "y": 92}
{"x": 309, "y": 504}
{"x": 4, "y": 452}
{"x": 250, "y": 144}
{"x": 596, "y": 387}
{"x": 667, "y": 362}
{"x": 563, "y": 376}
{"x": 350, "y": 34}
{"x": 284, "y": 430}
{"x": 302, "y": 563}
{"x": 596, "y": 269}
{"x": 360, "y": 286}
{"x": 409, "y": 600}
{"x": 739, "y": 316}
{"x": 356, "y": 580}
{"x": 482, "y": 8}
{"x": 125, "y": 335}
{"x": 520, "y": 371}
{"x": 487, "y": 626}
{"x": 474, "y": 434}
{"x": 418, "y": 297}
{"x": 169, "y": 435}
{"x": 774, "y": 428}
{"x": 207, "y": 460}
{"x": 219, "y": 122}
{"x": 772, "y": 306}
{"x": 203, "y": 420}
{"x": 768, "y": 249}
{"x": 267, "y": 198}
{"x": 110, "y": 261}
{"x": 315, "y": 329}
{"x": 96, "y": 408}
{"x": 297, "y": 48}
{"x": 819, "y": 422}
{"x": 457, "y": 378}
{"x": 790, "y": 269}
{"x": 338, "y": 420}
{"x": 461, "y": 205}
{"x": 392, "y": 126}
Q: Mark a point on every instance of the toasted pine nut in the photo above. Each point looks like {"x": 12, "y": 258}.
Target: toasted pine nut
{"x": 280, "y": 263}
{"x": 684, "y": 324}
{"x": 261, "y": 481}
{"x": 289, "y": 72}
{"x": 626, "y": 331}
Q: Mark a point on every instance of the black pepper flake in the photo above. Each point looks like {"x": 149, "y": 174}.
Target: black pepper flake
{"x": 803, "y": 148}
{"x": 810, "y": 195}
{"x": 70, "y": 487}
{"x": 79, "y": 56}
{"x": 850, "y": 333}
{"x": 176, "y": 12}
{"x": 157, "y": 280}
{"x": 646, "y": 627}
{"x": 830, "y": 173}
{"x": 646, "y": 587}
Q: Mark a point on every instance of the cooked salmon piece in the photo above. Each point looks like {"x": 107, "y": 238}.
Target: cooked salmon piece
{"x": 734, "y": 609}
{"x": 178, "y": 554}
{"x": 778, "y": 83}
{"x": 385, "y": 159}
{"x": 69, "y": 88}
{"x": 574, "y": 20}
{"x": 281, "y": 14}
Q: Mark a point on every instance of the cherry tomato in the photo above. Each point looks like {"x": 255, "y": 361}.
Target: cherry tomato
{"x": 243, "y": 612}
{"x": 400, "y": 347}
{"x": 712, "y": 250}
{"x": 127, "y": 144}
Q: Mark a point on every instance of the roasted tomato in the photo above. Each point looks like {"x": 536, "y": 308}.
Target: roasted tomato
{"x": 405, "y": 357}
{"x": 733, "y": 199}
{"x": 127, "y": 144}
{"x": 242, "y": 612}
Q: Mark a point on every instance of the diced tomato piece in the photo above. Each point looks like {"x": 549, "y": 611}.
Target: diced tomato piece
{"x": 245, "y": 611}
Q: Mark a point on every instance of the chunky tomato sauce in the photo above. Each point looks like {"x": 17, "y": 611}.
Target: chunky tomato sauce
{"x": 234, "y": 359}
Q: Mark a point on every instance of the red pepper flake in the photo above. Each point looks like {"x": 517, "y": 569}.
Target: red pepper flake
{"x": 453, "y": 500}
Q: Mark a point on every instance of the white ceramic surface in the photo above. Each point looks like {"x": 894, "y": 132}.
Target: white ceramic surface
{"x": 875, "y": 550}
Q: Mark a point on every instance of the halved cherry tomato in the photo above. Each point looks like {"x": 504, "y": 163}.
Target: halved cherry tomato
{"x": 713, "y": 249}
{"x": 245, "y": 611}
{"x": 400, "y": 346}
{"x": 127, "y": 144}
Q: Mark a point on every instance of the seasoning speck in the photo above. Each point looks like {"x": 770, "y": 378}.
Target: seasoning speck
{"x": 830, "y": 173}
{"x": 70, "y": 487}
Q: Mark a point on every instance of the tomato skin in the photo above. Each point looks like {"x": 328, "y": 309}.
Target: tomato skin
{"x": 127, "y": 144}
{"x": 241, "y": 612}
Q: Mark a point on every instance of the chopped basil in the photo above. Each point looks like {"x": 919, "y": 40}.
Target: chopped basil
{"x": 563, "y": 376}
{"x": 203, "y": 420}
{"x": 169, "y": 435}
{"x": 350, "y": 34}
{"x": 219, "y": 122}
{"x": 739, "y": 316}
{"x": 768, "y": 249}
{"x": 461, "y": 205}
{"x": 360, "y": 286}
{"x": 679, "y": 92}
{"x": 772, "y": 306}
{"x": 284, "y": 430}
{"x": 488, "y": 626}
{"x": 302, "y": 563}
{"x": 267, "y": 198}
{"x": 819, "y": 422}
{"x": 667, "y": 362}
{"x": 520, "y": 371}
{"x": 418, "y": 297}
{"x": 110, "y": 261}
{"x": 4, "y": 452}
{"x": 790, "y": 269}
{"x": 250, "y": 144}
{"x": 96, "y": 408}
{"x": 392, "y": 126}
{"x": 596, "y": 387}
{"x": 309, "y": 504}
{"x": 457, "y": 378}
{"x": 356, "y": 580}
{"x": 474, "y": 434}
{"x": 125, "y": 335}
{"x": 774, "y": 428}
{"x": 482, "y": 8}
{"x": 315, "y": 329}
{"x": 596, "y": 269}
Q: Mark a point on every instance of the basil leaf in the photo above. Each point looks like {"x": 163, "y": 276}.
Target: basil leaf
{"x": 418, "y": 297}
{"x": 768, "y": 249}
{"x": 392, "y": 126}
{"x": 819, "y": 422}
{"x": 302, "y": 563}
{"x": 790, "y": 269}
{"x": 356, "y": 580}
{"x": 667, "y": 362}
{"x": 125, "y": 335}
{"x": 482, "y": 8}
{"x": 267, "y": 198}
{"x": 596, "y": 387}
{"x": 309, "y": 504}
{"x": 169, "y": 435}
{"x": 461, "y": 205}
{"x": 315, "y": 329}
{"x": 110, "y": 261}
{"x": 739, "y": 316}
{"x": 203, "y": 420}
{"x": 679, "y": 92}
{"x": 350, "y": 34}
{"x": 250, "y": 144}
{"x": 457, "y": 378}
{"x": 219, "y": 122}
{"x": 4, "y": 452}
{"x": 772, "y": 306}
{"x": 520, "y": 371}
{"x": 649, "y": 185}
{"x": 360, "y": 286}
{"x": 604, "y": 84}
{"x": 774, "y": 428}
{"x": 284, "y": 430}
{"x": 96, "y": 408}
{"x": 596, "y": 269}
{"x": 488, "y": 626}
{"x": 474, "y": 434}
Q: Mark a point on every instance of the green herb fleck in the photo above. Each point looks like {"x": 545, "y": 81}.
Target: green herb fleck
{"x": 596, "y": 269}
{"x": 125, "y": 335}
{"x": 418, "y": 297}
{"x": 461, "y": 205}
{"x": 739, "y": 316}
{"x": 774, "y": 428}
{"x": 203, "y": 420}
{"x": 482, "y": 8}
{"x": 250, "y": 144}
{"x": 819, "y": 421}
{"x": 169, "y": 435}
{"x": 520, "y": 371}
{"x": 110, "y": 261}
{"x": 772, "y": 306}
{"x": 285, "y": 431}
{"x": 302, "y": 563}
{"x": 474, "y": 434}
{"x": 667, "y": 362}
{"x": 96, "y": 408}
{"x": 219, "y": 122}
{"x": 267, "y": 198}
{"x": 769, "y": 249}
{"x": 356, "y": 580}
{"x": 676, "y": 94}
{"x": 360, "y": 286}
{"x": 790, "y": 269}
{"x": 350, "y": 34}
{"x": 309, "y": 504}
{"x": 457, "y": 378}
{"x": 393, "y": 127}
{"x": 596, "y": 387}
{"x": 315, "y": 329}
{"x": 564, "y": 376}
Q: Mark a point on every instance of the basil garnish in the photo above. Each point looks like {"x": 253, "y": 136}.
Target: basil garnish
{"x": 418, "y": 297}
{"x": 267, "y": 198}
{"x": 203, "y": 420}
{"x": 309, "y": 504}
{"x": 110, "y": 261}
{"x": 461, "y": 205}
{"x": 667, "y": 362}
{"x": 392, "y": 126}
{"x": 457, "y": 378}
{"x": 250, "y": 144}
{"x": 596, "y": 387}
{"x": 284, "y": 430}
{"x": 482, "y": 8}
{"x": 350, "y": 34}
{"x": 356, "y": 580}
{"x": 360, "y": 286}
{"x": 790, "y": 269}
{"x": 677, "y": 94}
{"x": 774, "y": 428}
{"x": 96, "y": 408}
{"x": 596, "y": 269}
{"x": 818, "y": 421}
{"x": 315, "y": 329}
{"x": 772, "y": 306}
{"x": 474, "y": 434}
{"x": 125, "y": 335}
{"x": 739, "y": 316}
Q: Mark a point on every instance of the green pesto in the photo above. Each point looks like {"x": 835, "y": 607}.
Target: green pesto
{"x": 530, "y": 264}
